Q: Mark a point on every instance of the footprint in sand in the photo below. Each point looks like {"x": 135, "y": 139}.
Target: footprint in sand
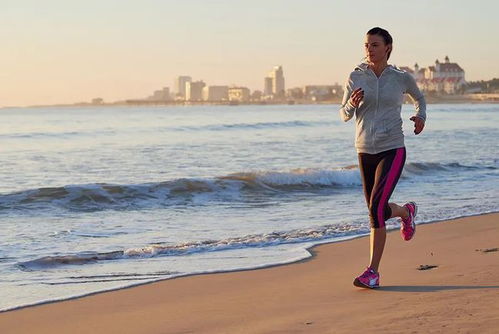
{"x": 487, "y": 250}
{"x": 427, "y": 266}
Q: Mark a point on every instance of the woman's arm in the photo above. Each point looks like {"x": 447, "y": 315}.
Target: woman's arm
{"x": 348, "y": 108}
{"x": 416, "y": 95}
{"x": 419, "y": 102}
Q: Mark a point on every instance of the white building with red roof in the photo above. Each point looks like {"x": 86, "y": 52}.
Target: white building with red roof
{"x": 444, "y": 77}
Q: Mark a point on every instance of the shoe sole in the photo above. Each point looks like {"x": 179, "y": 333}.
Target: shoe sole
{"x": 413, "y": 220}
{"x": 359, "y": 284}
{"x": 415, "y": 209}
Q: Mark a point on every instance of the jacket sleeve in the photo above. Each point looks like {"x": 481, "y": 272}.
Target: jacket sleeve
{"x": 347, "y": 110}
{"x": 416, "y": 96}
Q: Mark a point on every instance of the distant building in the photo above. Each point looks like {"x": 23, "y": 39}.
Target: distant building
{"x": 322, "y": 92}
{"x": 256, "y": 95}
{"x": 267, "y": 86}
{"x": 295, "y": 93}
{"x": 410, "y": 70}
{"x": 160, "y": 95}
{"x": 274, "y": 83}
{"x": 180, "y": 85}
{"x": 239, "y": 94}
{"x": 194, "y": 90}
{"x": 444, "y": 77}
{"x": 216, "y": 93}
{"x": 97, "y": 100}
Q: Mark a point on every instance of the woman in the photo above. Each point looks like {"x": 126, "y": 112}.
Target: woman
{"x": 374, "y": 93}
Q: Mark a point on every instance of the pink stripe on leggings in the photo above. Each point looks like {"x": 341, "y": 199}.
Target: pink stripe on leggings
{"x": 392, "y": 175}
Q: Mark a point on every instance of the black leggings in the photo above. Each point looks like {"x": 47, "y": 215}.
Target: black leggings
{"x": 380, "y": 173}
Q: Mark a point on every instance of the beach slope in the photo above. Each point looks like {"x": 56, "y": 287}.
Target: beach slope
{"x": 459, "y": 295}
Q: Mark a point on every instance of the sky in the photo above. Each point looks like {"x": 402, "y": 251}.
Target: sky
{"x": 60, "y": 51}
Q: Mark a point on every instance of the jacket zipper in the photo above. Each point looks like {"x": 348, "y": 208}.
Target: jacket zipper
{"x": 377, "y": 105}
{"x": 375, "y": 111}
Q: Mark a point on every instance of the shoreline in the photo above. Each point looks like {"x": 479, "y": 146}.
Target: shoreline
{"x": 429, "y": 101}
{"x": 196, "y": 281}
{"x": 309, "y": 249}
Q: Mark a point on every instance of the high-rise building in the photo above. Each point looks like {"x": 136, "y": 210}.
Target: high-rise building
{"x": 276, "y": 80}
{"x": 180, "y": 83}
{"x": 267, "y": 86}
{"x": 216, "y": 93}
{"x": 194, "y": 90}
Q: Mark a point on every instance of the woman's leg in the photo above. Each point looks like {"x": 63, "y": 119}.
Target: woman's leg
{"x": 398, "y": 211}
{"x": 378, "y": 236}
{"x": 367, "y": 168}
{"x": 377, "y": 246}
{"x": 387, "y": 174}
{"x": 368, "y": 163}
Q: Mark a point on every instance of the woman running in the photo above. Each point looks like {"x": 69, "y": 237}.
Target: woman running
{"x": 374, "y": 93}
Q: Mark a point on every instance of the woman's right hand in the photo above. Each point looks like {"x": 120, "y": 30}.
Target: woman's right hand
{"x": 356, "y": 97}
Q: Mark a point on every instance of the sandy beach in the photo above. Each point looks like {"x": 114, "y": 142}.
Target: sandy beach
{"x": 459, "y": 295}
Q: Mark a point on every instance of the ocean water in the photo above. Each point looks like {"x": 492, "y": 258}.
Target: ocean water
{"x": 100, "y": 198}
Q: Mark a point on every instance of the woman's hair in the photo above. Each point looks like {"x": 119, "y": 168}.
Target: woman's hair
{"x": 383, "y": 33}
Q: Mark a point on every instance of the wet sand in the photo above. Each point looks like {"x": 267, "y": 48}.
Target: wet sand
{"x": 458, "y": 292}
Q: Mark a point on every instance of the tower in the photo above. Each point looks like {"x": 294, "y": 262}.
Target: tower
{"x": 267, "y": 86}
{"x": 277, "y": 77}
{"x": 180, "y": 83}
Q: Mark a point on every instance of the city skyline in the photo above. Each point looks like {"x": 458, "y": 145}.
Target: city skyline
{"x": 58, "y": 52}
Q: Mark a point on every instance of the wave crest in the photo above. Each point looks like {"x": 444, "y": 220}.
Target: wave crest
{"x": 231, "y": 187}
{"x": 187, "y": 248}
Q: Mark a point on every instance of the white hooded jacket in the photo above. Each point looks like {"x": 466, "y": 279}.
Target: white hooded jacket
{"x": 378, "y": 120}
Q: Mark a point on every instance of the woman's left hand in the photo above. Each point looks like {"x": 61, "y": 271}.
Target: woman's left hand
{"x": 418, "y": 124}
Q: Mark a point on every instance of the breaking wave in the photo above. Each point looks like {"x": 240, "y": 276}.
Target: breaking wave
{"x": 159, "y": 249}
{"x": 240, "y": 186}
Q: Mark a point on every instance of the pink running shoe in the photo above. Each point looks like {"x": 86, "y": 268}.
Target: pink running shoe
{"x": 408, "y": 226}
{"x": 369, "y": 279}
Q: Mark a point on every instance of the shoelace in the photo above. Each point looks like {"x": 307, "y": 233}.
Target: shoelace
{"x": 366, "y": 273}
{"x": 407, "y": 221}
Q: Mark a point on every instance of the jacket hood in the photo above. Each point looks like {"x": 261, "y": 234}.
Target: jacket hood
{"x": 365, "y": 66}
{"x": 361, "y": 67}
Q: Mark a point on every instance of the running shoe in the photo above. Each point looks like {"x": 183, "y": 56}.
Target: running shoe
{"x": 408, "y": 225}
{"x": 369, "y": 279}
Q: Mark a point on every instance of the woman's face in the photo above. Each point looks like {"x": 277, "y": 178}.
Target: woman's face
{"x": 376, "y": 49}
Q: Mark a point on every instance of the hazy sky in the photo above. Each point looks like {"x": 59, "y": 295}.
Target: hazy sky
{"x": 70, "y": 50}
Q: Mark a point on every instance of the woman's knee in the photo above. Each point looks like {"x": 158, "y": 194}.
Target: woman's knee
{"x": 374, "y": 219}
{"x": 377, "y": 220}
{"x": 387, "y": 212}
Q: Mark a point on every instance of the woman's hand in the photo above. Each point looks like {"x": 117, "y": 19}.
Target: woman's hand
{"x": 418, "y": 124}
{"x": 356, "y": 97}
